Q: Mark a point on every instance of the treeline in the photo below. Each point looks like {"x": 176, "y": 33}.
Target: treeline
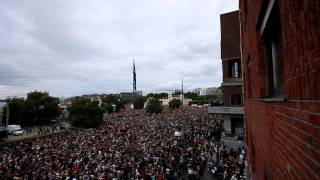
{"x": 37, "y": 109}
{"x": 213, "y": 100}
{"x": 157, "y": 95}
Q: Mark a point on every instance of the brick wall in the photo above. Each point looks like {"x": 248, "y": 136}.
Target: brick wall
{"x": 228, "y": 91}
{"x": 230, "y": 36}
{"x": 283, "y": 138}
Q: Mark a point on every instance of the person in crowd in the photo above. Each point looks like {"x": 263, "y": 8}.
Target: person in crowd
{"x": 112, "y": 152}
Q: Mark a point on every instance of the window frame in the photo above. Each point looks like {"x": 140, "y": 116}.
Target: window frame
{"x": 238, "y": 99}
{"x": 270, "y": 32}
{"x": 234, "y": 67}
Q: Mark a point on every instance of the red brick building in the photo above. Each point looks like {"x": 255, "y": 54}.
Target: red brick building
{"x": 232, "y": 75}
{"x": 281, "y": 71}
{"x": 231, "y": 59}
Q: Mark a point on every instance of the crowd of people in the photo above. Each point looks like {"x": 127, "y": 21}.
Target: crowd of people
{"x": 130, "y": 146}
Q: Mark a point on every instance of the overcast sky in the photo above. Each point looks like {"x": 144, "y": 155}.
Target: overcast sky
{"x": 75, "y": 47}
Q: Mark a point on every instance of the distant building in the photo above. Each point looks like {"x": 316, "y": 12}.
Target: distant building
{"x": 214, "y": 91}
{"x": 129, "y": 96}
{"x": 207, "y": 91}
{"x": 197, "y": 91}
{"x": 281, "y": 67}
{"x": 232, "y": 76}
{"x": 165, "y": 101}
{"x": 203, "y": 92}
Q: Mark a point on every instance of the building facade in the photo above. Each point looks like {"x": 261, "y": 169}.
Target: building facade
{"x": 207, "y": 91}
{"x": 232, "y": 75}
{"x": 281, "y": 67}
{"x": 184, "y": 101}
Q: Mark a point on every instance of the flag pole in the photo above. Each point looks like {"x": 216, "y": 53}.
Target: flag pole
{"x": 182, "y": 91}
{"x": 134, "y": 120}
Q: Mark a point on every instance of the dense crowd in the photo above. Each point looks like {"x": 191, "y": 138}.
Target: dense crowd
{"x": 117, "y": 151}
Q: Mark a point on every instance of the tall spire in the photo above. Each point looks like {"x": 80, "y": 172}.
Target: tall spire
{"x": 182, "y": 85}
{"x": 134, "y": 78}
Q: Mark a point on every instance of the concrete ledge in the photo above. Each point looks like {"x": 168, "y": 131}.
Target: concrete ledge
{"x": 225, "y": 110}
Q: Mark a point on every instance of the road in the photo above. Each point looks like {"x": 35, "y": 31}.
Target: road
{"x": 33, "y": 133}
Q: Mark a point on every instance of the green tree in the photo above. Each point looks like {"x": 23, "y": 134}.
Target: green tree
{"x": 174, "y": 104}
{"x": 40, "y": 108}
{"x": 16, "y": 110}
{"x": 112, "y": 103}
{"x": 154, "y": 106}
{"x": 191, "y": 95}
{"x": 85, "y": 113}
{"x": 4, "y": 115}
{"x": 157, "y": 95}
{"x": 138, "y": 103}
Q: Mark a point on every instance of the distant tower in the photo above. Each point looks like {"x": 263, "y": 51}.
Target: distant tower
{"x": 181, "y": 85}
{"x": 182, "y": 95}
{"x": 134, "y": 78}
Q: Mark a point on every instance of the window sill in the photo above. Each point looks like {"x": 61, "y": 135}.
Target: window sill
{"x": 273, "y": 99}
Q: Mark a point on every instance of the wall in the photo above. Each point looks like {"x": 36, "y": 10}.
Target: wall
{"x": 283, "y": 135}
{"x": 227, "y": 123}
{"x": 230, "y": 36}
{"x": 228, "y": 91}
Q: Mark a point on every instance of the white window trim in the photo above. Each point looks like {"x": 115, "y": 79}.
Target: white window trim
{"x": 266, "y": 16}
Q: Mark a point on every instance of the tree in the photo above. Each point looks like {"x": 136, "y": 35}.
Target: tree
{"x": 112, "y": 103}
{"x": 191, "y": 95}
{"x": 138, "y": 103}
{"x": 85, "y": 113}
{"x": 154, "y": 106}
{"x": 4, "y": 115}
{"x": 157, "y": 95}
{"x": 16, "y": 110}
{"x": 40, "y": 108}
{"x": 174, "y": 104}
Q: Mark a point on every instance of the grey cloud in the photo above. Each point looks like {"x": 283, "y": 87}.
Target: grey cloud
{"x": 78, "y": 46}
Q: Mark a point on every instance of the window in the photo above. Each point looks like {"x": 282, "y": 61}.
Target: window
{"x": 236, "y": 100}
{"x": 271, "y": 33}
{"x": 235, "y": 69}
{"x": 235, "y": 72}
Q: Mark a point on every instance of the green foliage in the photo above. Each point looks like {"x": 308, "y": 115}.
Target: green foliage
{"x": 38, "y": 109}
{"x": 157, "y": 95}
{"x": 191, "y": 95}
{"x": 16, "y": 110}
{"x": 138, "y": 103}
{"x": 85, "y": 113}
{"x": 174, "y": 104}
{"x": 112, "y": 103}
{"x": 176, "y": 92}
{"x": 214, "y": 100}
{"x": 154, "y": 106}
{"x": 4, "y": 115}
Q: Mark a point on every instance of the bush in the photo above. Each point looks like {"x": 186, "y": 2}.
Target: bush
{"x": 154, "y": 106}
{"x": 112, "y": 103}
{"x": 174, "y": 104}
{"x": 138, "y": 103}
{"x": 85, "y": 113}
